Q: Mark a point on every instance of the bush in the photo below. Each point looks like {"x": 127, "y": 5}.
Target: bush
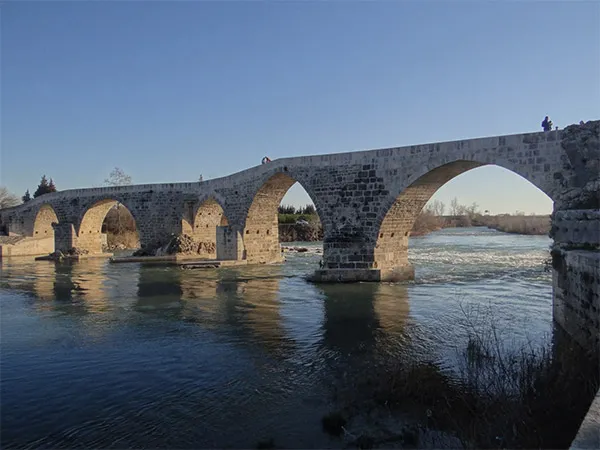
{"x": 500, "y": 396}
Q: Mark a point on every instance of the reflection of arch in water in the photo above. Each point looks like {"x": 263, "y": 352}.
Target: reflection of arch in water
{"x": 250, "y": 308}
{"x": 202, "y": 226}
{"x": 45, "y": 278}
{"x": 159, "y": 289}
{"x": 88, "y": 277}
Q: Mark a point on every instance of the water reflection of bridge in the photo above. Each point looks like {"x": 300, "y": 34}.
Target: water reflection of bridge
{"x": 247, "y": 309}
{"x": 359, "y": 317}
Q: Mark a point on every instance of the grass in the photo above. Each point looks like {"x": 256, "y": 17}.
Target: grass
{"x": 501, "y": 396}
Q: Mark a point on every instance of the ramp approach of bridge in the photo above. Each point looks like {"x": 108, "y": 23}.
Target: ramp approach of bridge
{"x": 367, "y": 202}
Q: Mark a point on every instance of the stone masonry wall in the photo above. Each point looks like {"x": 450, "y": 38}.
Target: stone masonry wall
{"x": 209, "y": 216}
{"x": 576, "y": 283}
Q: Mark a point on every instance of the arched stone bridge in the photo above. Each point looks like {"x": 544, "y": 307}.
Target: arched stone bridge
{"x": 367, "y": 202}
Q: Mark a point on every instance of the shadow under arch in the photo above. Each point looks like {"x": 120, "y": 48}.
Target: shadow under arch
{"x": 89, "y": 235}
{"x": 261, "y": 225}
{"x": 44, "y": 218}
{"x": 395, "y": 225}
{"x": 202, "y": 222}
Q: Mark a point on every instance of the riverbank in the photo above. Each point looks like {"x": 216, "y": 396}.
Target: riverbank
{"x": 426, "y": 223}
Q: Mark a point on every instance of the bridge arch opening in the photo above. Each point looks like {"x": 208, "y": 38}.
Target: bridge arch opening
{"x": 416, "y": 211}
{"x": 42, "y": 225}
{"x": 107, "y": 225}
{"x": 275, "y": 217}
{"x": 202, "y": 224}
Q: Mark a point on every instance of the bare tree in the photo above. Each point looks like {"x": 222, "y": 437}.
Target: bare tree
{"x": 7, "y": 198}
{"x": 118, "y": 178}
{"x": 455, "y": 207}
{"x": 473, "y": 209}
{"x": 438, "y": 207}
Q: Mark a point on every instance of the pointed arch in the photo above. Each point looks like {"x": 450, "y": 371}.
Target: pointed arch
{"x": 201, "y": 223}
{"x": 399, "y": 215}
{"x": 89, "y": 232}
{"x": 261, "y": 225}
{"x": 44, "y": 218}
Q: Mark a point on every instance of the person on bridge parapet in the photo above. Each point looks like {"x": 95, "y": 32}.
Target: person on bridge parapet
{"x": 547, "y": 124}
{"x": 265, "y": 160}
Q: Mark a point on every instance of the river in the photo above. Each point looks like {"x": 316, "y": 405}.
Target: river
{"x": 128, "y": 355}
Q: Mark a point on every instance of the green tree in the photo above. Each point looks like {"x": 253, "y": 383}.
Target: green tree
{"x": 44, "y": 187}
{"x": 26, "y": 197}
{"x": 309, "y": 210}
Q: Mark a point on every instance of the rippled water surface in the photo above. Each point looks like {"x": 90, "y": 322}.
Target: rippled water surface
{"x": 128, "y": 355}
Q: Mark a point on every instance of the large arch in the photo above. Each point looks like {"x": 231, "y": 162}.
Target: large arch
{"x": 395, "y": 224}
{"x": 42, "y": 224}
{"x": 261, "y": 227}
{"x": 89, "y": 233}
{"x": 202, "y": 224}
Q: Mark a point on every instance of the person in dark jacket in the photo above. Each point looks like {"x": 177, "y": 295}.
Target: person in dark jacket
{"x": 547, "y": 124}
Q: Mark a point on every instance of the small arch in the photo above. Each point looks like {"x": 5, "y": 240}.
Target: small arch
{"x": 107, "y": 223}
{"x": 263, "y": 246}
{"x": 208, "y": 216}
{"x": 42, "y": 224}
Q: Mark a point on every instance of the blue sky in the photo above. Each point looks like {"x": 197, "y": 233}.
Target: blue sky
{"x": 169, "y": 91}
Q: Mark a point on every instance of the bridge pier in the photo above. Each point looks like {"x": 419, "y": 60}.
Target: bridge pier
{"x": 65, "y": 237}
{"x": 576, "y": 275}
{"x": 350, "y": 261}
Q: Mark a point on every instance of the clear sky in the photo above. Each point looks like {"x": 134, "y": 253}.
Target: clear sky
{"x": 171, "y": 90}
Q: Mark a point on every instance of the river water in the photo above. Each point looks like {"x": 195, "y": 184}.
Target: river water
{"x": 128, "y": 355}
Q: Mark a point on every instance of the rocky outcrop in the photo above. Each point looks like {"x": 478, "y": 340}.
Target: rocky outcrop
{"x": 181, "y": 244}
{"x": 310, "y": 232}
{"x": 581, "y": 144}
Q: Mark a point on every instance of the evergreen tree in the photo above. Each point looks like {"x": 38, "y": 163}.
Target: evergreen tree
{"x": 26, "y": 197}
{"x": 44, "y": 187}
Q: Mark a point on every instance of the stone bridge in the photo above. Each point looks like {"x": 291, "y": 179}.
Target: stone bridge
{"x": 367, "y": 202}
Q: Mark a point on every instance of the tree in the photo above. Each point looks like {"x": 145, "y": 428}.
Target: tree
{"x": 473, "y": 209}
{"x": 286, "y": 209}
{"x": 7, "y": 199}
{"x": 455, "y": 207}
{"x": 26, "y": 197}
{"x": 309, "y": 210}
{"x": 44, "y": 187}
{"x": 118, "y": 178}
{"x": 437, "y": 207}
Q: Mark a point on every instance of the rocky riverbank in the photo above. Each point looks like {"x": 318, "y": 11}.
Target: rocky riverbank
{"x": 181, "y": 244}
{"x": 300, "y": 232}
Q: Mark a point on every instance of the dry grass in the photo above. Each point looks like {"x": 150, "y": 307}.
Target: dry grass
{"x": 534, "y": 225}
{"x": 126, "y": 239}
{"x": 502, "y": 397}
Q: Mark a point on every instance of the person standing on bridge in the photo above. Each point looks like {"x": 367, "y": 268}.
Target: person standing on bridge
{"x": 547, "y": 124}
